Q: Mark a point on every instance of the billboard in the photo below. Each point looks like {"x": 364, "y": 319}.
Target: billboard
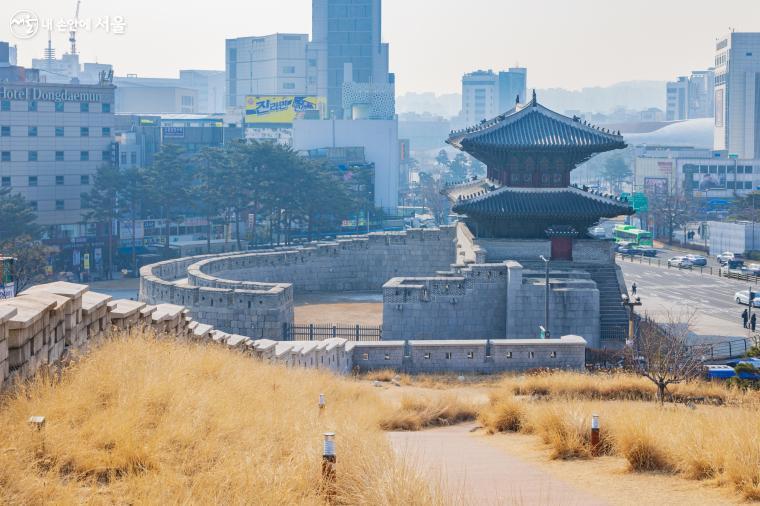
{"x": 280, "y": 109}
{"x": 656, "y": 185}
{"x": 706, "y": 182}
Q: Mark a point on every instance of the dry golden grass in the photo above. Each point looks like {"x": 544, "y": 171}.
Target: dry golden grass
{"x": 707, "y": 442}
{"x": 420, "y": 411}
{"x": 146, "y": 421}
{"x": 432, "y": 381}
{"x": 619, "y": 386}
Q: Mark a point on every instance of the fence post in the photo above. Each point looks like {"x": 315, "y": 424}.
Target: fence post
{"x": 729, "y": 350}
{"x": 357, "y": 331}
{"x": 311, "y": 332}
{"x": 335, "y": 330}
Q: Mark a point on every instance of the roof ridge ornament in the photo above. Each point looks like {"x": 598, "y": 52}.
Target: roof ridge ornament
{"x": 534, "y": 102}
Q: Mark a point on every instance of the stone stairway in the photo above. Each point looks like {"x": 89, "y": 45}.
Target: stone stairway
{"x": 613, "y": 317}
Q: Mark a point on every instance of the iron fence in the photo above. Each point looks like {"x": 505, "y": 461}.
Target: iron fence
{"x": 721, "y": 272}
{"x": 318, "y": 332}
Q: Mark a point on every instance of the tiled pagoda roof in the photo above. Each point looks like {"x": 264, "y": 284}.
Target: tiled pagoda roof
{"x": 541, "y": 202}
{"x": 534, "y": 126}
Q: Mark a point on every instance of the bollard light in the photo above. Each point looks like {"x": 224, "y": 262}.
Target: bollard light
{"x": 38, "y": 422}
{"x": 328, "y": 462}
{"x": 595, "y": 434}
{"x": 321, "y": 401}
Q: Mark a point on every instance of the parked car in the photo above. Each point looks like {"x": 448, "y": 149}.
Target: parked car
{"x": 646, "y": 251}
{"x": 742, "y": 297}
{"x": 727, "y": 256}
{"x": 619, "y": 247}
{"x": 697, "y": 260}
{"x": 680, "y": 262}
{"x": 752, "y": 269}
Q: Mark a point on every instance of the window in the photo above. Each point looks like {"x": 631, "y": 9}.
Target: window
{"x": 59, "y": 180}
{"x": 59, "y": 131}
{"x": 509, "y": 354}
{"x": 105, "y": 107}
{"x": 106, "y": 132}
{"x": 33, "y": 156}
{"x": 84, "y": 132}
{"x": 387, "y": 356}
{"x": 748, "y": 185}
{"x": 470, "y": 355}
{"x": 448, "y": 355}
{"x": 84, "y": 107}
{"x": 32, "y": 132}
{"x": 5, "y": 105}
{"x": 5, "y": 131}
{"x": 531, "y": 354}
{"x": 133, "y": 158}
{"x": 84, "y": 180}
{"x": 288, "y": 69}
{"x": 106, "y": 155}
{"x": 32, "y": 106}
{"x": 365, "y": 356}
{"x": 123, "y": 158}
{"x": 59, "y": 156}
{"x": 33, "y": 205}
{"x": 84, "y": 156}
{"x": 59, "y": 205}
{"x": 288, "y": 86}
{"x": 187, "y": 101}
{"x": 6, "y": 181}
{"x": 84, "y": 202}
{"x": 5, "y": 156}
{"x": 553, "y": 354}
{"x": 32, "y": 180}
{"x": 59, "y": 107}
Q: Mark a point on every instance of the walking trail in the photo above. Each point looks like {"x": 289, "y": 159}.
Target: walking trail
{"x": 481, "y": 474}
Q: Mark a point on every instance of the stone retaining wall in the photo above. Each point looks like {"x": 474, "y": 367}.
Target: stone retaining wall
{"x": 252, "y": 293}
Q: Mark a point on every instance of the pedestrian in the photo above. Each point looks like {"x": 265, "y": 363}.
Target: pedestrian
{"x": 633, "y": 288}
{"x": 753, "y": 321}
{"x": 745, "y": 317}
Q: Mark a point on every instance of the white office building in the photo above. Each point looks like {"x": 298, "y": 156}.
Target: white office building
{"x": 480, "y": 96}
{"x": 278, "y": 64}
{"x": 53, "y": 137}
{"x": 737, "y": 94}
{"x": 691, "y": 97}
{"x": 677, "y": 108}
{"x": 379, "y": 139}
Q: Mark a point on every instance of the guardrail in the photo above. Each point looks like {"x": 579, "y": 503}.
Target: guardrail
{"x": 724, "y": 350}
{"x": 707, "y": 270}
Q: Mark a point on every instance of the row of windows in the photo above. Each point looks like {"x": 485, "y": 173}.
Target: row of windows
{"x": 33, "y": 131}
{"x": 719, "y": 169}
{"x": 448, "y": 355}
{"x": 32, "y": 106}
{"x": 60, "y": 205}
{"x": 58, "y": 156}
{"x": 84, "y": 179}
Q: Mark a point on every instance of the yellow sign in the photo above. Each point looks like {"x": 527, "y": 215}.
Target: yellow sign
{"x": 280, "y": 109}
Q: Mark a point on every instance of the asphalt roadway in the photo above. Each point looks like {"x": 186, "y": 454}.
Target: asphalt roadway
{"x": 673, "y": 293}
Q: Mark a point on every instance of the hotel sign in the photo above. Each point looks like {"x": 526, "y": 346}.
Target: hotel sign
{"x": 48, "y": 94}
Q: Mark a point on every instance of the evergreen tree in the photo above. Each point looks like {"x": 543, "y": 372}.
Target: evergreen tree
{"x": 16, "y": 216}
{"x": 103, "y": 205}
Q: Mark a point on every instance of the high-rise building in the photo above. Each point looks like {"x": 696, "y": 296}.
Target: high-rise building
{"x": 512, "y": 84}
{"x": 737, "y": 94}
{"x": 7, "y": 54}
{"x": 346, "y": 36}
{"x": 480, "y": 96}
{"x": 677, "y": 99}
{"x": 278, "y": 64}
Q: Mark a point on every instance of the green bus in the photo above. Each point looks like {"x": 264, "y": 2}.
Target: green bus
{"x": 632, "y": 235}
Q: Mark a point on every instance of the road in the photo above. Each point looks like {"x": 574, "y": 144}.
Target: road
{"x": 675, "y": 291}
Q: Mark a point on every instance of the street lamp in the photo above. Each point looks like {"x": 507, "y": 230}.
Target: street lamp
{"x": 546, "y": 298}
{"x": 630, "y": 303}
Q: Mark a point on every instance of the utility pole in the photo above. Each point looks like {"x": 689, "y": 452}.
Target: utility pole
{"x": 630, "y": 304}
{"x": 546, "y": 299}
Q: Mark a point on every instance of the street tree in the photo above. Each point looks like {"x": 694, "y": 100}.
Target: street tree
{"x": 16, "y": 216}
{"x": 442, "y": 158}
{"x": 662, "y": 352}
{"x": 208, "y": 193}
{"x": 746, "y": 207}
{"x": 670, "y": 211}
{"x": 459, "y": 167}
{"x": 31, "y": 260}
{"x": 616, "y": 170}
{"x": 103, "y": 205}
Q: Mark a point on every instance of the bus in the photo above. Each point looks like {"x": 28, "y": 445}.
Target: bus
{"x": 632, "y": 235}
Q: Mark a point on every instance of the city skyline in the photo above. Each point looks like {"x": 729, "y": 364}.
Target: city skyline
{"x": 588, "y": 43}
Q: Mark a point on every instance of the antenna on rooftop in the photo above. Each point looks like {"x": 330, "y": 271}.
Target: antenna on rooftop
{"x": 49, "y": 52}
{"x": 73, "y": 33}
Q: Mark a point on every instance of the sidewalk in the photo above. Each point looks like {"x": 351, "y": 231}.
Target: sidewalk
{"x": 482, "y": 474}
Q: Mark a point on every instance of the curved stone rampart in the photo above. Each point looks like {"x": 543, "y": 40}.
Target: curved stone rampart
{"x": 251, "y": 293}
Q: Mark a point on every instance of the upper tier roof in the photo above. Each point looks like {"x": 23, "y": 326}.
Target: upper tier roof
{"x": 541, "y": 202}
{"x": 532, "y": 126}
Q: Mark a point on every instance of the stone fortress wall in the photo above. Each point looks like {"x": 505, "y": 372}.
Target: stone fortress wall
{"x": 46, "y": 323}
{"x": 252, "y": 293}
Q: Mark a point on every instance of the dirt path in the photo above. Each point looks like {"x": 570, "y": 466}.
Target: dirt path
{"x": 515, "y": 469}
{"x": 482, "y": 473}
{"x": 339, "y": 308}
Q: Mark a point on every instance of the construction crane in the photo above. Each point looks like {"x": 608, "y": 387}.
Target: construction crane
{"x": 73, "y": 33}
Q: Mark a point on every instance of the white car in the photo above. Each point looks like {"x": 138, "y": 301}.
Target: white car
{"x": 680, "y": 262}
{"x": 742, "y": 298}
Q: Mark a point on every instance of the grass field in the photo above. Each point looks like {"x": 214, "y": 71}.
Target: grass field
{"x": 141, "y": 420}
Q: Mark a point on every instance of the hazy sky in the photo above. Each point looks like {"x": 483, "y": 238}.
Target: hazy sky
{"x": 564, "y": 43}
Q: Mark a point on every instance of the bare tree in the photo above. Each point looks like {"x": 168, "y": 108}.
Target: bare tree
{"x": 662, "y": 354}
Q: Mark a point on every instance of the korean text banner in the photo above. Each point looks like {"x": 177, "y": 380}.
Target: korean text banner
{"x": 280, "y": 109}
